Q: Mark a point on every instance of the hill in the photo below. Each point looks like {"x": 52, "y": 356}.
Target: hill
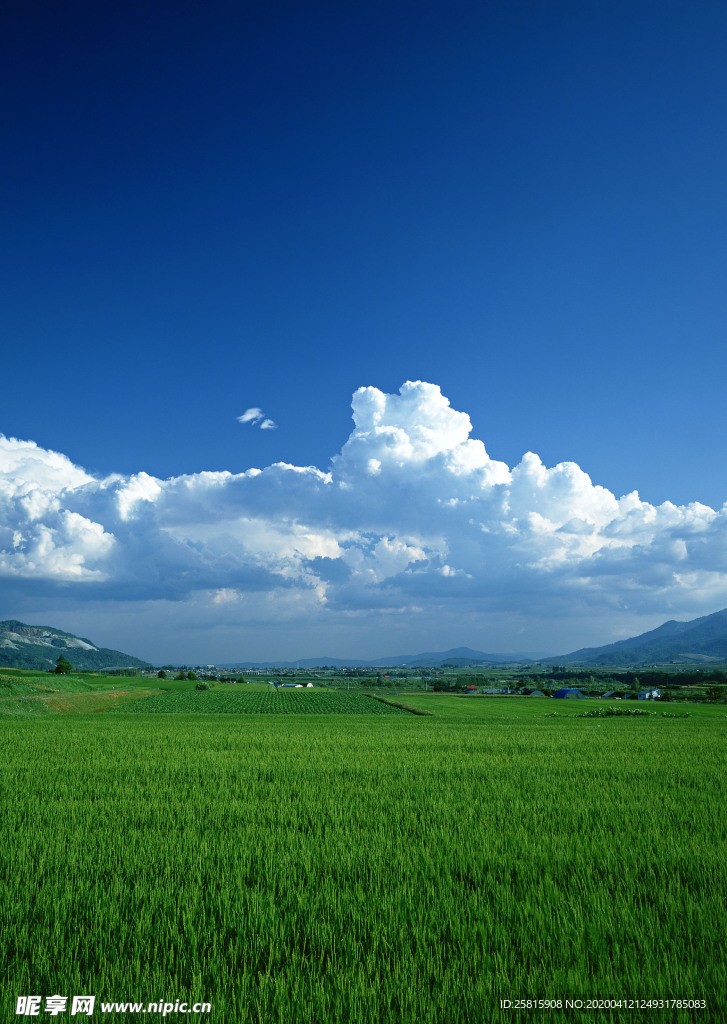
{"x": 698, "y": 641}
{"x": 457, "y": 657}
{"x": 38, "y": 647}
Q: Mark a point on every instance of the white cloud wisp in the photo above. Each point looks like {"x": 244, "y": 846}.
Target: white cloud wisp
{"x": 258, "y": 418}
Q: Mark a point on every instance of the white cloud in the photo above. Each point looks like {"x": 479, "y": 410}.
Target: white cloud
{"x": 141, "y": 487}
{"x": 250, "y": 416}
{"x": 257, "y": 416}
{"x": 26, "y": 469}
{"x": 414, "y": 523}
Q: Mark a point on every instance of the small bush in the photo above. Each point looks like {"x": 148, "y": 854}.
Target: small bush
{"x": 609, "y": 712}
{"x": 203, "y": 686}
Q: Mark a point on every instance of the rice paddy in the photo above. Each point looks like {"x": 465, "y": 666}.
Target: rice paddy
{"x": 358, "y": 869}
{"x": 270, "y": 701}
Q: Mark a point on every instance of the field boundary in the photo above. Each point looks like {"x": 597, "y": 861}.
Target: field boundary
{"x": 402, "y": 706}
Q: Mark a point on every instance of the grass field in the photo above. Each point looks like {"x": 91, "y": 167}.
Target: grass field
{"x": 351, "y": 868}
{"x": 29, "y": 694}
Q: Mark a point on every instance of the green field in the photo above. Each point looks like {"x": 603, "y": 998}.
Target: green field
{"x": 261, "y": 702}
{"x": 357, "y": 868}
{"x": 28, "y": 694}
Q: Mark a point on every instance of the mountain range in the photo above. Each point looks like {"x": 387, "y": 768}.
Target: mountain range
{"x": 457, "y": 657}
{"x": 39, "y": 647}
{"x": 699, "y": 641}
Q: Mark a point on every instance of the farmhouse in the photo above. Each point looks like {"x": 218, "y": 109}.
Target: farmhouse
{"x": 648, "y": 695}
{"x": 567, "y": 691}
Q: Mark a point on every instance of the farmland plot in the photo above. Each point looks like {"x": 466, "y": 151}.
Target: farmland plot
{"x": 366, "y": 870}
{"x": 262, "y": 702}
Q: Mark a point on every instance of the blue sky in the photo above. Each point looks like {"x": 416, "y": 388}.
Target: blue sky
{"x": 223, "y": 207}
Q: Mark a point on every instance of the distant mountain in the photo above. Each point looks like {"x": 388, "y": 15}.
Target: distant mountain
{"x": 698, "y": 641}
{"x": 39, "y": 647}
{"x": 457, "y": 657}
{"x": 303, "y": 663}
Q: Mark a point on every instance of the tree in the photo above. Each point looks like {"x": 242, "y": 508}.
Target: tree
{"x": 161, "y": 674}
{"x": 191, "y": 675}
{"x": 63, "y": 666}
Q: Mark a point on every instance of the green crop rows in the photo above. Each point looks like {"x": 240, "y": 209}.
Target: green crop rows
{"x": 365, "y": 869}
{"x": 261, "y": 702}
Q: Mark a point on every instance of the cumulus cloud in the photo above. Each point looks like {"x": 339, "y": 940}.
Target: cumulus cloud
{"x": 258, "y": 418}
{"x": 413, "y": 519}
